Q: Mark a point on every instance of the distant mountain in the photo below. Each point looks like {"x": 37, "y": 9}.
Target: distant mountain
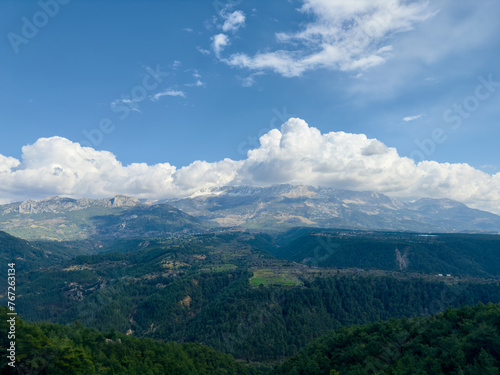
{"x": 284, "y": 206}
{"x": 60, "y": 204}
{"x": 278, "y": 207}
{"x": 57, "y": 218}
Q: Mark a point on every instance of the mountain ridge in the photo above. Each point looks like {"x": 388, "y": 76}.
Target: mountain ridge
{"x": 285, "y": 206}
{"x": 56, "y": 204}
{"x": 275, "y": 208}
{"x": 60, "y": 218}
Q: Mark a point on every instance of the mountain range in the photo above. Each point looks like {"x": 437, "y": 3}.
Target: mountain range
{"x": 257, "y": 273}
{"x": 286, "y": 206}
{"x": 275, "y": 208}
{"x": 57, "y": 218}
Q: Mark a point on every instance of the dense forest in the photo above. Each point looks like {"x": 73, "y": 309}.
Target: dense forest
{"x": 456, "y": 254}
{"x": 462, "y": 341}
{"x": 456, "y": 342}
{"x": 225, "y": 290}
{"x": 261, "y": 323}
{"x": 30, "y": 255}
{"x": 51, "y": 349}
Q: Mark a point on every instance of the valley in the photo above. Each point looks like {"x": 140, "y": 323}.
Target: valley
{"x": 228, "y": 187}
{"x": 258, "y": 296}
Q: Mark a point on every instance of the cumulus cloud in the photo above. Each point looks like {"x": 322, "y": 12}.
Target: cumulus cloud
{"x": 57, "y": 166}
{"x": 219, "y": 42}
{"x": 8, "y": 163}
{"x": 344, "y": 35}
{"x": 295, "y": 154}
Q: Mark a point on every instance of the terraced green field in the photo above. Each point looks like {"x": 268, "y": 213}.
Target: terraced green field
{"x": 274, "y": 276}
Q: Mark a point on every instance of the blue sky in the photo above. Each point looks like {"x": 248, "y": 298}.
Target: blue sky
{"x": 229, "y": 71}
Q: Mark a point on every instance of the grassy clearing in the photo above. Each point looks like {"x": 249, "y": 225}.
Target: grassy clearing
{"x": 273, "y": 276}
{"x": 219, "y": 268}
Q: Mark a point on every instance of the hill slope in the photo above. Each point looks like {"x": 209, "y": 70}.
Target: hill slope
{"x": 464, "y": 341}
{"x": 223, "y": 290}
{"x": 29, "y": 255}
{"x": 43, "y": 348}
{"x": 456, "y": 254}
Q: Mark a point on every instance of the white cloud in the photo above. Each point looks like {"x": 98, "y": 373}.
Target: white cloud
{"x": 489, "y": 166}
{"x": 198, "y": 82}
{"x": 412, "y": 118}
{"x": 250, "y": 80}
{"x": 132, "y": 104}
{"x": 461, "y": 28}
{"x": 203, "y": 51}
{"x": 296, "y": 154}
{"x": 233, "y": 21}
{"x": 168, "y": 92}
{"x": 57, "y": 166}
{"x": 8, "y": 163}
{"x": 344, "y": 35}
{"x": 219, "y": 42}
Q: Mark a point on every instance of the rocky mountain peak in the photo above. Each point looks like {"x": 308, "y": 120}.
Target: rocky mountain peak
{"x": 124, "y": 201}
{"x": 284, "y": 206}
{"x": 57, "y": 204}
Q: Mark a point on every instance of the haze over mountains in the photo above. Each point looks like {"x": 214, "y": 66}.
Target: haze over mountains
{"x": 277, "y": 207}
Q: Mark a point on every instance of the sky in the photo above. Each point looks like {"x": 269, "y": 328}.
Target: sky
{"x": 162, "y": 99}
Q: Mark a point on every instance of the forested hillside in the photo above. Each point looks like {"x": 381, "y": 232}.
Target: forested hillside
{"x": 227, "y": 291}
{"x": 50, "y": 349}
{"x": 34, "y": 254}
{"x": 456, "y": 254}
{"x": 223, "y": 290}
{"x": 457, "y": 342}
{"x": 462, "y": 341}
